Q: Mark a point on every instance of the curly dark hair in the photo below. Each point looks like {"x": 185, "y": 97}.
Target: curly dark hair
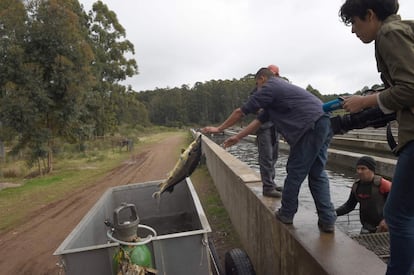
{"x": 359, "y": 8}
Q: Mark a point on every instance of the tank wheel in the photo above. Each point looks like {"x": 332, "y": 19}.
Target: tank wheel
{"x": 237, "y": 262}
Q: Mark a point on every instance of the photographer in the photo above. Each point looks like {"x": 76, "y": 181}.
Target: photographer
{"x": 394, "y": 51}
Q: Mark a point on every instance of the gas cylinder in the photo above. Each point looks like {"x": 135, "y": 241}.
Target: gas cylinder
{"x": 126, "y": 222}
{"x": 125, "y": 227}
{"x": 138, "y": 255}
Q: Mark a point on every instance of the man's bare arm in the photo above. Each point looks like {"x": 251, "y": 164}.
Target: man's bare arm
{"x": 235, "y": 116}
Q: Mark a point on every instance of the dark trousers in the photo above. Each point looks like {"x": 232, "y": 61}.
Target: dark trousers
{"x": 268, "y": 149}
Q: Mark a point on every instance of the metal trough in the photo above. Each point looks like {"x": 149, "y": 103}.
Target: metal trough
{"x": 180, "y": 246}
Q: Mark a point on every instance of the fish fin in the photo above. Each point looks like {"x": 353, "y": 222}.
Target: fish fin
{"x": 161, "y": 185}
{"x": 170, "y": 189}
{"x": 156, "y": 195}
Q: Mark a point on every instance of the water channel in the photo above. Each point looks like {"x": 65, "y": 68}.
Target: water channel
{"x": 340, "y": 182}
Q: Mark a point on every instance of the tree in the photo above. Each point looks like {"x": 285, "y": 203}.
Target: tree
{"x": 110, "y": 65}
{"x": 313, "y": 91}
{"x": 12, "y": 37}
{"x": 42, "y": 98}
{"x": 12, "y": 71}
{"x": 60, "y": 74}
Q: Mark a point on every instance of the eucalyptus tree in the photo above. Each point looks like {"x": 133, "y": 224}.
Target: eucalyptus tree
{"x": 47, "y": 75}
{"x": 12, "y": 72}
{"x": 134, "y": 112}
{"x": 110, "y": 65}
{"x": 60, "y": 47}
{"x": 127, "y": 108}
{"x": 196, "y": 104}
{"x": 161, "y": 106}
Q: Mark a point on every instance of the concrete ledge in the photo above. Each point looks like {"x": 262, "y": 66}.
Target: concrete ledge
{"x": 275, "y": 248}
{"x": 363, "y": 145}
{"x": 385, "y": 166}
{"x": 371, "y": 133}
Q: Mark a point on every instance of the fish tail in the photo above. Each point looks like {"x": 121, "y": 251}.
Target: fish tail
{"x": 156, "y": 195}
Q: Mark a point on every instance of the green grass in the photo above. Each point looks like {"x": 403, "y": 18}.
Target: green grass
{"x": 79, "y": 170}
{"x": 216, "y": 213}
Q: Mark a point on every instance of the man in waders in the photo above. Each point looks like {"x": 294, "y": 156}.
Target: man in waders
{"x": 370, "y": 191}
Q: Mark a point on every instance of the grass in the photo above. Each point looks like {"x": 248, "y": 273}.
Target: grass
{"x": 223, "y": 234}
{"x": 70, "y": 173}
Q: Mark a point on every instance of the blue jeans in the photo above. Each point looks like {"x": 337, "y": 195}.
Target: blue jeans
{"x": 399, "y": 214}
{"x": 268, "y": 148}
{"x": 308, "y": 158}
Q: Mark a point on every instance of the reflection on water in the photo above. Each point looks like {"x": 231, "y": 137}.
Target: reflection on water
{"x": 340, "y": 182}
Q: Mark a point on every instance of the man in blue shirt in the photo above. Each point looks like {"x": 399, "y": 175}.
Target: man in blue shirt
{"x": 299, "y": 118}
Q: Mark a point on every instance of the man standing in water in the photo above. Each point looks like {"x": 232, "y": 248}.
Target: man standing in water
{"x": 370, "y": 191}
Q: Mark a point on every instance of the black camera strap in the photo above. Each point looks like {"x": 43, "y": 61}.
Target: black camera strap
{"x": 391, "y": 140}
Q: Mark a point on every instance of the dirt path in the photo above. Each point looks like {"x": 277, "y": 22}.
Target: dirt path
{"x": 28, "y": 248}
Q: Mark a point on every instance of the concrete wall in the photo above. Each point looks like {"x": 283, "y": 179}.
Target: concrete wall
{"x": 385, "y": 166}
{"x": 273, "y": 247}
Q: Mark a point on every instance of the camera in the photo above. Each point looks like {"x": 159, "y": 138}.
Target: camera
{"x": 372, "y": 117}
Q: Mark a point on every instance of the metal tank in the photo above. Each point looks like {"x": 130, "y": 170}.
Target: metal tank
{"x": 180, "y": 243}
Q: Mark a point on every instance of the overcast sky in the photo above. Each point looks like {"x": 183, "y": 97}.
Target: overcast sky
{"x": 185, "y": 41}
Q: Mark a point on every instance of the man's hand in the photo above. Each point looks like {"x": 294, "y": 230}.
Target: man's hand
{"x": 353, "y": 104}
{"x": 230, "y": 141}
{"x": 357, "y": 103}
{"x": 382, "y": 226}
{"x": 210, "y": 130}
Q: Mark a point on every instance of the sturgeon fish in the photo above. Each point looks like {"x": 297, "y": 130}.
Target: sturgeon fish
{"x": 185, "y": 166}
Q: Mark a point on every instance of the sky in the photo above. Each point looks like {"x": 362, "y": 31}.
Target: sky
{"x": 181, "y": 42}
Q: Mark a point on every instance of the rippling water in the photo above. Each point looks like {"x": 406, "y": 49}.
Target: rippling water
{"x": 340, "y": 182}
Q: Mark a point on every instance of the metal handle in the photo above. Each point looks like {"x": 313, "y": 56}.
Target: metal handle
{"x": 145, "y": 240}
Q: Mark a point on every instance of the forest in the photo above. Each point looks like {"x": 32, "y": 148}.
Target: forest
{"x": 61, "y": 74}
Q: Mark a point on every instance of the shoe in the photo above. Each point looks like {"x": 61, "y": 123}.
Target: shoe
{"x": 327, "y": 228}
{"x": 282, "y": 218}
{"x": 279, "y": 188}
{"x": 272, "y": 193}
